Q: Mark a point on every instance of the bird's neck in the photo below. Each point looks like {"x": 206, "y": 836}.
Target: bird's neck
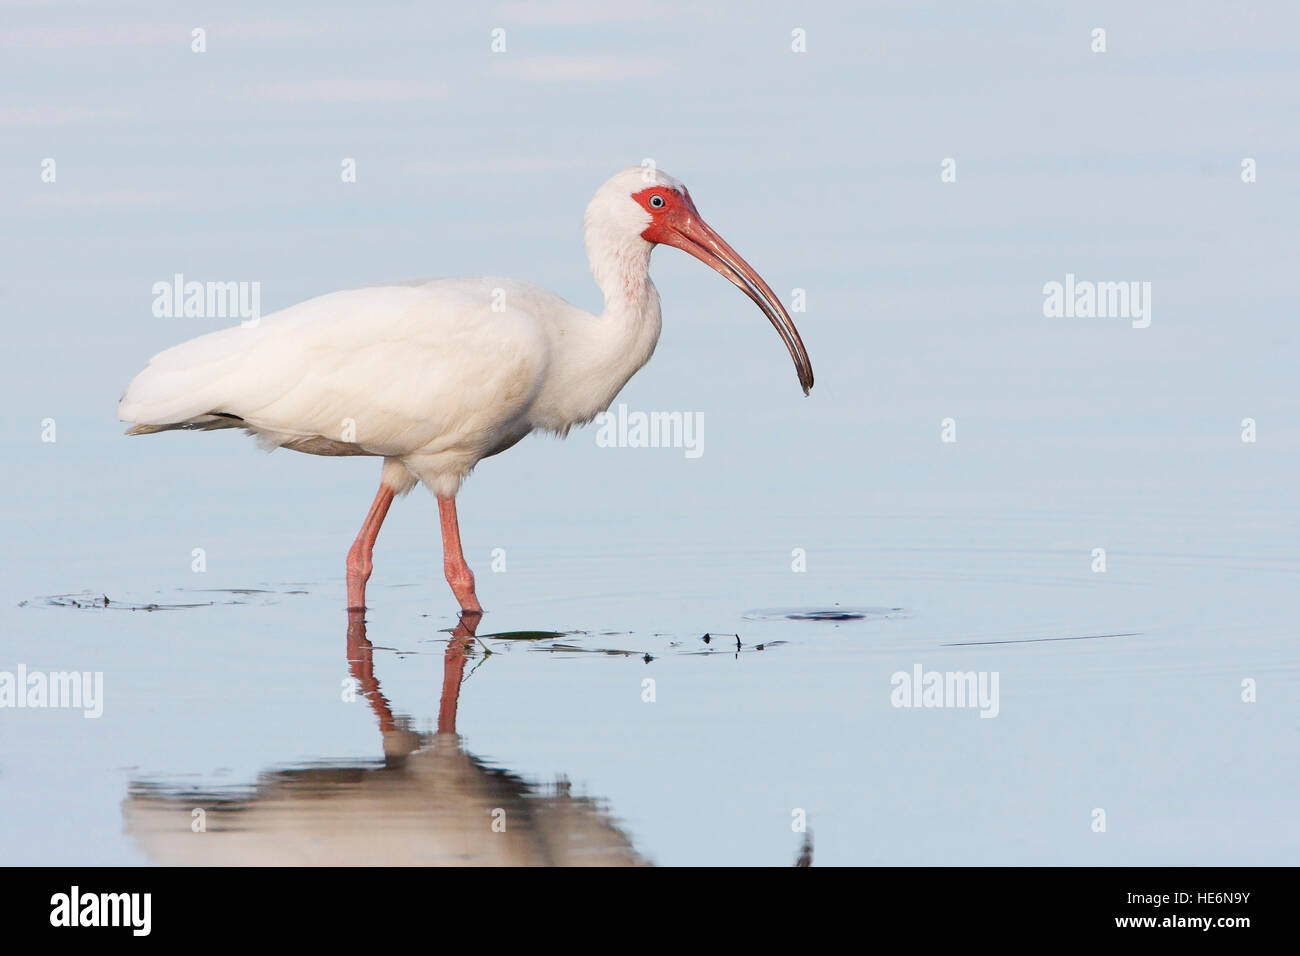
{"x": 629, "y": 327}
{"x": 595, "y": 355}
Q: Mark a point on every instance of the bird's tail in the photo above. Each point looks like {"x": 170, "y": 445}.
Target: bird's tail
{"x": 205, "y": 423}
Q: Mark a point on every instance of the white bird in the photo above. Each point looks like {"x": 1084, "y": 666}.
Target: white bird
{"x": 434, "y": 376}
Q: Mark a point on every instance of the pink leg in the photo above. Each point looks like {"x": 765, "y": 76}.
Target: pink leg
{"x": 359, "y": 563}
{"x": 459, "y": 576}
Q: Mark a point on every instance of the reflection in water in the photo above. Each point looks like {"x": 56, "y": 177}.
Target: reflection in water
{"x": 427, "y": 803}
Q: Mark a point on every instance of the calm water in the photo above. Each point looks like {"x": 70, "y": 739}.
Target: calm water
{"x": 304, "y": 739}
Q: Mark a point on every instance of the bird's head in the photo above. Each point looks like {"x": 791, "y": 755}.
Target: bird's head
{"x": 645, "y": 205}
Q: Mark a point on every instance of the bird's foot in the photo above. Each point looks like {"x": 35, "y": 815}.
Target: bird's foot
{"x": 461, "y": 579}
{"x": 358, "y": 574}
{"x": 356, "y": 594}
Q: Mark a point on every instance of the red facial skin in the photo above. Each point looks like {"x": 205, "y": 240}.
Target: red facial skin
{"x": 672, "y": 218}
{"x": 677, "y": 223}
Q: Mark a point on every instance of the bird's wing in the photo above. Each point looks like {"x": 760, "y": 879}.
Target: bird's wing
{"x": 392, "y": 369}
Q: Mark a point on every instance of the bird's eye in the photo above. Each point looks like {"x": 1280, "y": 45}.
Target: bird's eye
{"x": 656, "y": 200}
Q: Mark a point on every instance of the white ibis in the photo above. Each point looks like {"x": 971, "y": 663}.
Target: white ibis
{"x": 434, "y": 376}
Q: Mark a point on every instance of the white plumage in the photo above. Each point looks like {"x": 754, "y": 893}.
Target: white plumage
{"x": 436, "y": 375}
{"x": 424, "y": 373}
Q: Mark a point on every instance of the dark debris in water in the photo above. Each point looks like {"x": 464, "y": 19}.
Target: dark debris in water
{"x": 229, "y": 590}
{"x": 571, "y": 642}
{"x": 647, "y": 657}
{"x": 1041, "y": 640}
{"x": 576, "y": 649}
{"x": 100, "y": 602}
{"x": 526, "y": 635}
{"x": 738, "y": 649}
{"x": 89, "y": 600}
{"x": 835, "y": 613}
{"x": 708, "y": 638}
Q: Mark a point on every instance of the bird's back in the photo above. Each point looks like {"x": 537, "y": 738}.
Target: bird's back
{"x": 386, "y": 370}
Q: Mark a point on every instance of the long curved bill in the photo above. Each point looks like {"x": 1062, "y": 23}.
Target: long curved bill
{"x": 697, "y": 237}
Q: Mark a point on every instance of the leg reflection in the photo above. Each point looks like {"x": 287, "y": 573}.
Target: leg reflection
{"x": 453, "y": 670}
{"x": 361, "y": 664}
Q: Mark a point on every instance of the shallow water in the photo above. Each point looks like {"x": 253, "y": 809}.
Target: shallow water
{"x": 825, "y": 545}
{"x": 1118, "y": 691}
